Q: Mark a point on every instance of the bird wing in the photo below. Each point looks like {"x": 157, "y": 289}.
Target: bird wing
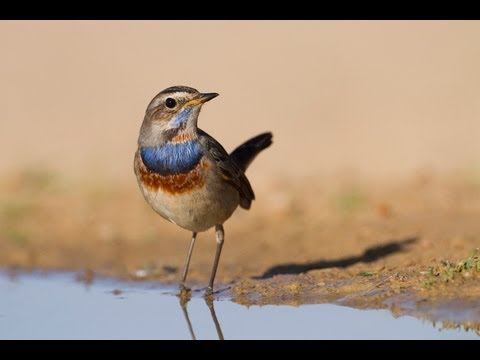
{"x": 230, "y": 171}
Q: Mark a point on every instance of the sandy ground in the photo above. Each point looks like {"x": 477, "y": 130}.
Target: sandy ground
{"x": 372, "y": 183}
{"x": 351, "y": 243}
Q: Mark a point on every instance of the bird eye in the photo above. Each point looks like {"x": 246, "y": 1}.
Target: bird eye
{"x": 170, "y": 103}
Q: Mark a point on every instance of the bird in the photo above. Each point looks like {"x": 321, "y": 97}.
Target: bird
{"x": 187, "y": 176}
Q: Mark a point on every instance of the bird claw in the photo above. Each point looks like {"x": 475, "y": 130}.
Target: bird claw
{"x": 209, "y": 292}
{"x": 185, "y": 294}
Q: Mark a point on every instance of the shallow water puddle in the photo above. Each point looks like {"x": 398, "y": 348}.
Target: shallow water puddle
{"x": 57, "y": 306}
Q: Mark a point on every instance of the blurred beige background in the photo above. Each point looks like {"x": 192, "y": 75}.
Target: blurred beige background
{"x": 379, "y": 98}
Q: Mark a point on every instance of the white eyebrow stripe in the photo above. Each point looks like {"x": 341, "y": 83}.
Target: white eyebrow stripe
{"x": 180, "y": 94}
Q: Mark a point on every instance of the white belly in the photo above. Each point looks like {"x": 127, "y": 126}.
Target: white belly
{"x": 199, "y": 209}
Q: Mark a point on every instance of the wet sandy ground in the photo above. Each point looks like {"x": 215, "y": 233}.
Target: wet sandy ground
{"x": 45, "y": 305}
{"x": 406, "y": 246}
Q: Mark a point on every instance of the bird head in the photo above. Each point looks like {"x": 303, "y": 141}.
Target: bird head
{"x": 172, "y": 111}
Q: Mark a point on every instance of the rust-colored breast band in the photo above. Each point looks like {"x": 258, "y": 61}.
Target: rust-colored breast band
{"x": 172, "y": 184}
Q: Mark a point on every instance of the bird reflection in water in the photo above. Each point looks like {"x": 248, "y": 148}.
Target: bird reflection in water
{"x": 209, "y": 301}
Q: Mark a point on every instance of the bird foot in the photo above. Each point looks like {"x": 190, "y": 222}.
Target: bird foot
{"x": 185, "y": 294}
{"x": 209, "y": 293}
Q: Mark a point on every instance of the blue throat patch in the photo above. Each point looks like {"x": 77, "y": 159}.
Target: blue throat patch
{"x": 172, "y": 158}
{"x": 182, "y": 117}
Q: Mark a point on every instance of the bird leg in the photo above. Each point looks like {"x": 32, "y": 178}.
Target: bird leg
{"x": 220, "y": 237}
{"x": 183, "y": 288}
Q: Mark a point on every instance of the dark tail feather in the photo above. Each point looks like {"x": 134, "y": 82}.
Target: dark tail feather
{"x": 245, "y": 153}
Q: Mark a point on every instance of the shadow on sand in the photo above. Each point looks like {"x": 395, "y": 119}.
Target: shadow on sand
{"x": 370, "y": 255}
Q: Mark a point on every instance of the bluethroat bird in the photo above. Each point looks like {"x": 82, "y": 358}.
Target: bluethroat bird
{"x": 185, "y": 175}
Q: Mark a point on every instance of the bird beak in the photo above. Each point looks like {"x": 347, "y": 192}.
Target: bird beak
{"x": 202, "y": 98}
